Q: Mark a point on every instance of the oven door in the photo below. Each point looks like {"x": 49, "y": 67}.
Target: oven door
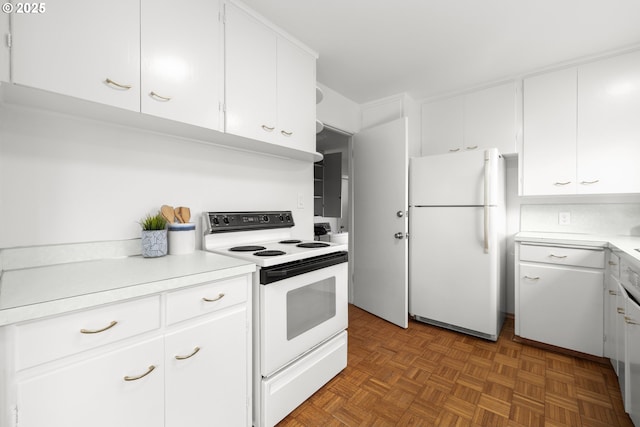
{"x": 298, "y": 313}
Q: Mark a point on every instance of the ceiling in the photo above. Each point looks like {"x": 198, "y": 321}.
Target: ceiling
{"x": 369, "y": 49}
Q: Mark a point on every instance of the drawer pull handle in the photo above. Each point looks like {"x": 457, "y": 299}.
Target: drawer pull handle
{"x": 97, "y": 331}
{"x": 620, "y": 310}
{"x": 589, "y": 182}
{"x": 149, "y": 370}
{"x": 562, "y": 183}
{"x": 285, "y": 133}
{"x": 195, "y": 350}
{"x": 557, "y": 256}
{"x": 472, "y": 148}
{"x": 453, "y": 150}
{"x": 267, "y": 128}
{"x": 612, "y": 263}
{"x": 532, "y": 278}
{"x": 160, "y": 97}
{"x": 613, "y": 293}
{"x": 219, "y": 297}
{"x": 116, "y": 84}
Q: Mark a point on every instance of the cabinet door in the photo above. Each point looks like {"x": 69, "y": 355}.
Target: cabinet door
{"x": 549, "y": 152}
{"x": 250, "y": 76}
{"x": 562, "y": 306}
{"x": 608, "y": 125}
{"x": 82, "y": 48}
{"x": 610, "y": 319}
{"x": 181, "y": 61}
{"x": 95, "y": 393}
{"x": 442, "y": 126}
{"x": 621, "y": 344}
{"x": 490, "y": 119}
{"x": 296, "y": 97}
{"x": 207, "y": 372}
{"x": 633, "y": 353}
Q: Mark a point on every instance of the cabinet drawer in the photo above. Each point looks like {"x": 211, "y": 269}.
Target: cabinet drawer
{"x": 593, "y": 258}
{"x": 613, "y": 265}
{"x": 188, "y": 303}
{"x": 49, "y": 339}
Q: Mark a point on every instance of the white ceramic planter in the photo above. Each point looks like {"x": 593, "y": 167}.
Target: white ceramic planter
{"x": 154, "y": 243}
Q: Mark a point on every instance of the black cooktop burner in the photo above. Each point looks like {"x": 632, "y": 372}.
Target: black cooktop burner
{"x": 269, "y": 253}
{"x": 290, "y": 242}
{"x": 312, "y": 245}
{"x": 247, "y": 248}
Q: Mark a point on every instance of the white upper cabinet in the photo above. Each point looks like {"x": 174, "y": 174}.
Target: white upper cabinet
{"x": 581, "y": 129}
{"x": 477, "y": 120}
{"x": 548, "y": 158}
{"x": 82, "y": 48}
{"x": 269, "y": 83}
{"x": 181, "y": 61}
{"x": 609, "y": 125}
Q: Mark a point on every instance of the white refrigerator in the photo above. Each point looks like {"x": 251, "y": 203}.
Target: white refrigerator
{"x": 457, "y": 241}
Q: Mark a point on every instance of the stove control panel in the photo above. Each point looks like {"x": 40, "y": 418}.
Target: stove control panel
{"x": 217, "y": 222}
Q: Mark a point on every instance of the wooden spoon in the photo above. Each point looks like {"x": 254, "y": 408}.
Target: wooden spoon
{"x": 185, "y": 213}
{"x": 167, "y": 213}
{"x": 176, "y": 211}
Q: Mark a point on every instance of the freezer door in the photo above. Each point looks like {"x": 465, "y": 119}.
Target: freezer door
{"x": 451, "y": 278}
{"x": 456, "y": 179}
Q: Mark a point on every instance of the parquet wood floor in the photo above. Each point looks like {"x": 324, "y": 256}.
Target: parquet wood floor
{"x": 428, "y": 376}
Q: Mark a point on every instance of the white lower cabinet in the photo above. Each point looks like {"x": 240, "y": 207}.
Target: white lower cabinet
{"x": 181, "y": 358}
{"x": 206, "y": 375}
{"x": 610, "y": 310}
{"x": 99, "y": 392}
{"x": 561, "y": 304}
{"x": 632, "y": 324}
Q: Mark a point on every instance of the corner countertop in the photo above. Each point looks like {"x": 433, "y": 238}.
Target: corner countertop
{"x": 626, "y": 244}
{"x": 36, "y": 292}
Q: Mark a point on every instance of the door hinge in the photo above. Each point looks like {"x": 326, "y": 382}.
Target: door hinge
{"x": 15, "y": 416}
{"x": 8, "y": 40}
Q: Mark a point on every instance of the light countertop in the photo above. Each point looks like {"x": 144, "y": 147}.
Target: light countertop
{"x": 626, "y": 244}
{"x": 31, "y": 293}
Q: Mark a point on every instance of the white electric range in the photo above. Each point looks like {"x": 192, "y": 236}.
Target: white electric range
{"x": 299, "y": 306}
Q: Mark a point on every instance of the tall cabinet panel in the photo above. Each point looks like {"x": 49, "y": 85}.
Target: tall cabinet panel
{"x": 250, "y": 76}
{"x": 609, "y": 125}
{"x": 89, "y": 50}
{"x": 181, "y": 61}
{"x": 549, "y": 159}
{"x": 442, "y": 126}
{"x": 4, "y": 49}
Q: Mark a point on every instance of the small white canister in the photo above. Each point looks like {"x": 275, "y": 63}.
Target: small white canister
{"x": 182, "y": 238}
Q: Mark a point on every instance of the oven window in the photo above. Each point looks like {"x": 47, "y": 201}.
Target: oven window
{"x": 309, "y": 306}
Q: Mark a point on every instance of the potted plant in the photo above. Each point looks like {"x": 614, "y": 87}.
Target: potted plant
{"x": 154, "y": 236}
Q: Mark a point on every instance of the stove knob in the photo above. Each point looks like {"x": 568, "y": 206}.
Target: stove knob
{"x": 288, "y": 217}
{"x": 281, "y": 218}
{"x": 216, "y": 221}
{"x": 225, "y": 220}
{"x": 265, "y": 218}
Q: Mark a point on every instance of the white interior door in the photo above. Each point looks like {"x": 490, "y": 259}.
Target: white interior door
{"x": 380, "y": 197}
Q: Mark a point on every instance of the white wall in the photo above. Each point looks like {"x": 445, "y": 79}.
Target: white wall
{"x": 337, "y": 111}
{"x": 65, "y": 179}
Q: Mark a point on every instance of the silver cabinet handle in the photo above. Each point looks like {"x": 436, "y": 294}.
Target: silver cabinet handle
{"x": 612, "y": 263}
{"x": 558, "y": 256}
{"x": 159, "y": 97}
{"x": 613, "y": 293}
{"x": 472, "y": 148}
{"x": 116, "y": 84}
{"x": 532, "y": 278}
{"x": 285, "y": 133}
{"x": 399, "y": 235}
{"x": 562, "y": 183}
{"x": 97, "y": 331}
{"x": 453, "y": 150}
{"x": 267, "y": 128}
{"x": 195, "y": 350}
{"x": 149, "y": 370}
{"x": 219, "y": 297}
{"x": 589, "y": 182}
{"x": 620, "y": 310}
{"x": 400, "y": 214}
{"x": 630, "y": 321}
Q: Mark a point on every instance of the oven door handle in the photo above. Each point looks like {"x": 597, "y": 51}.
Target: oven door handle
{"x": 281, "y": 272}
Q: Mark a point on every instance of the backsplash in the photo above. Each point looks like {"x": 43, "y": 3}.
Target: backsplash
{"x": 610, "y": 218}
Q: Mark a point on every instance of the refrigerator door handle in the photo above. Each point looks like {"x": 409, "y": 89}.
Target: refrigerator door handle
{"x": 487, "y": 177}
